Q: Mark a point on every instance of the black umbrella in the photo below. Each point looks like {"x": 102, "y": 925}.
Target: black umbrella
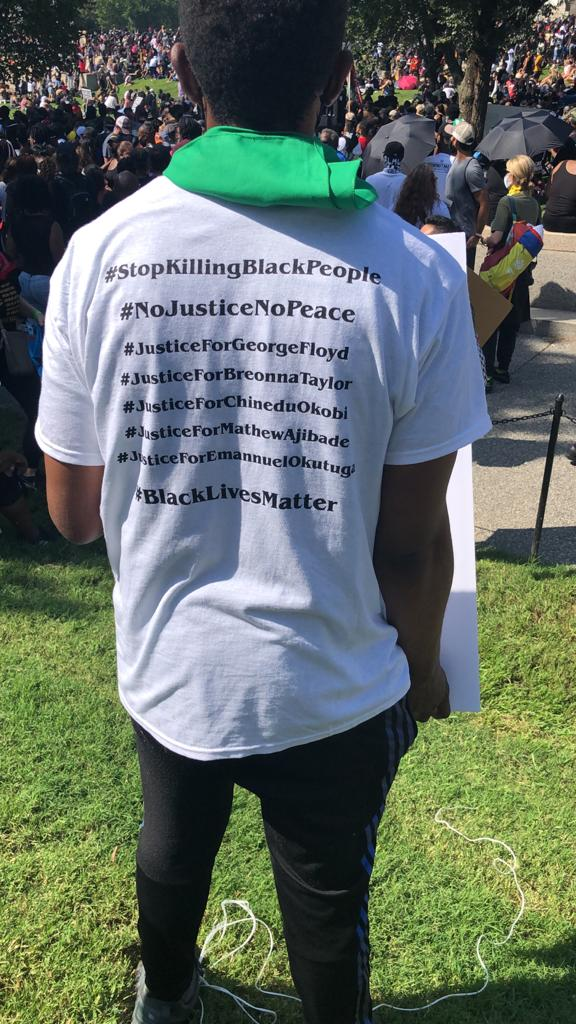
{"x": 528, "y": 133}
{"x": 416, "y": 135}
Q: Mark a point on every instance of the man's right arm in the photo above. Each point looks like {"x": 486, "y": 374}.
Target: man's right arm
{"x": 476, "y": 182}
{"x": 439, "y": 408}
{"x": 483, "y": 200}
{"x": 413, "y": 563}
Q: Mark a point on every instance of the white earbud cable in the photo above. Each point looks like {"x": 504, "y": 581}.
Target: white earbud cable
{"x": 501, "y": 864}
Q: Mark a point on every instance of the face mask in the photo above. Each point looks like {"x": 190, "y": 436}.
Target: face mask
{"x": 508, "y": 181}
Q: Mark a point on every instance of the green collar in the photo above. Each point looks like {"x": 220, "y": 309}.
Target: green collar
{"x": 261, "y": 169}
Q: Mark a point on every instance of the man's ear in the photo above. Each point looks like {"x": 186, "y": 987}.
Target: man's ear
{"x": 186, "y": 76}
{"x": 338, "y": 76}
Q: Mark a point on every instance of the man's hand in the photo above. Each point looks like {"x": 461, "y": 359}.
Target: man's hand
{"x": 472, "y": 242}
{"x": 430, "y": 698}
{"x": 11, "y": 461}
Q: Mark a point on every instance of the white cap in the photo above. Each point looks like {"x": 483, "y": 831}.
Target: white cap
{"x": 462, "y": 132}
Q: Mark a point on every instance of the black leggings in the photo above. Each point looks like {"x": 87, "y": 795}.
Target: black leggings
{"x": 321, "y": 804}
{"x": 499, "y": 348}
{"x": 25, "y": 390}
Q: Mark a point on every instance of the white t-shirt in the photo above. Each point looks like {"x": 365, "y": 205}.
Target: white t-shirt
{"x": 440, "y": 209}
{"x": 387, "y": 186}
{"x": 244, "y": 374}
{"x": 440, "y": 164}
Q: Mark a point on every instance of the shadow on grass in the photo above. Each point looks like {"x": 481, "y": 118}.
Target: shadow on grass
{"x": 26, "y": 590}
{"x": 517, "y": 1001}
{"x": 558, "y": 547}
{"x": 56, "y": 552}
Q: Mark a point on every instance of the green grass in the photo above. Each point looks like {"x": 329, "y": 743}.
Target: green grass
{"x": 70, "y": 810}
{"x": 164, "y": 85}
{"x": 157, "y": 84}
{"x": 406, "y": 94}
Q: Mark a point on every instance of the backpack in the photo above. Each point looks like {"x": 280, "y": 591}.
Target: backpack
{"x": 502, "y": 267}
{"x": 80, "y": 205}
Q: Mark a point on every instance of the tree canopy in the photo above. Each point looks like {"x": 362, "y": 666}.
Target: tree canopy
{"x": 37, "y": 34}
{"x": 448, "y": 27}
{"x": 465, "y": 34}
{"x": 140, "y": 14}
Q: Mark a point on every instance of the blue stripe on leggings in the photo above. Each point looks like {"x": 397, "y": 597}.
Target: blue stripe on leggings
{"x": 400, "y": 733}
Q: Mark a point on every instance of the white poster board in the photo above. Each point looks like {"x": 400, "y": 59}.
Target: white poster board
{"x": 459, "y": 652}
{"x": 86, "y": 94}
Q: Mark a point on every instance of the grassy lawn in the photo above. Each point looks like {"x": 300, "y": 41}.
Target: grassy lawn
{"x": 164, "y": 85}
{"x": 406, "y": 94}
{"x": 70, "y": 810}
{"x": 157, "y": 84}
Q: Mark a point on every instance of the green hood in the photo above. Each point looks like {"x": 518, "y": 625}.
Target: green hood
{"x": 261, "y": 169}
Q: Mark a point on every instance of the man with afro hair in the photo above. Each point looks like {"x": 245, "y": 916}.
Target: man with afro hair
{"x": 259, "y": 402}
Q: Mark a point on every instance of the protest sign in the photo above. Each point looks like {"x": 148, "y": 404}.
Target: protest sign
{"x": 489, "y": 307}
{"x": 459, "y": 651}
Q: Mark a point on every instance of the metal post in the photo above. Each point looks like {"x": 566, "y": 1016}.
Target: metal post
{"x": 557, "y": 416}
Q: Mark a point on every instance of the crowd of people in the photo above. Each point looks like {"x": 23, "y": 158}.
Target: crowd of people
{"x": 536, "y": 72}
{"x": 114, "y": 57}
{"x": 285, "y": 639}
{"x": 63, "y": 162}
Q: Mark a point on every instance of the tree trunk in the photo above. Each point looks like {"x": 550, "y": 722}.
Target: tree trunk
{"x": 428, "y": 50}
{"x": 430, "y": 61}
{"x": 474, "y": 90}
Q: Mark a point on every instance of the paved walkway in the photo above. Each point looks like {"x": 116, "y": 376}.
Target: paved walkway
{"x": 509, "y": 463}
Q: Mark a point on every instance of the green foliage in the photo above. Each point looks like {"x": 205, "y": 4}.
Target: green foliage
{"x": 446, "y": 29}
{"x": 457, "y": 26}
{"x": 36, "y": 34}
{"x": 140, "y": 14}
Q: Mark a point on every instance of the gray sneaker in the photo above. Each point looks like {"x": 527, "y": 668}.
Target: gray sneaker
{"x": 160, "y": 1011}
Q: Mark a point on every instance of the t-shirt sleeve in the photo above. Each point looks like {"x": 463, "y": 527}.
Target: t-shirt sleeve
{"x": 503, "y": 217}
{"x": 446, "y": 409}
{"x": 65, "y": 428}
{"x": 475, "y": 178}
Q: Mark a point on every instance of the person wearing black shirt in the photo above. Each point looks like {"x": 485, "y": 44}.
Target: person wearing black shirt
{"x": 560, "y": 214}
{"x": 73, "y": 201}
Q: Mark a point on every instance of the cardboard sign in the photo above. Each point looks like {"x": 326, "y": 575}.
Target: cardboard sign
{"x": 459, "y": 648}
{"x": 489, "y": 307}
{"x": 86, "y": 94}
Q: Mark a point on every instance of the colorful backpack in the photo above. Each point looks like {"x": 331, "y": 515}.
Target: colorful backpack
{"x": 502, "y": 267}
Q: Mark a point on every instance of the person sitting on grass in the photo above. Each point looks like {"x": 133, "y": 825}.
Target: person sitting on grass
{"x": 188, "y": 129}
{"x": 13, "y": 504}
{"x": 23, "y": 387}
